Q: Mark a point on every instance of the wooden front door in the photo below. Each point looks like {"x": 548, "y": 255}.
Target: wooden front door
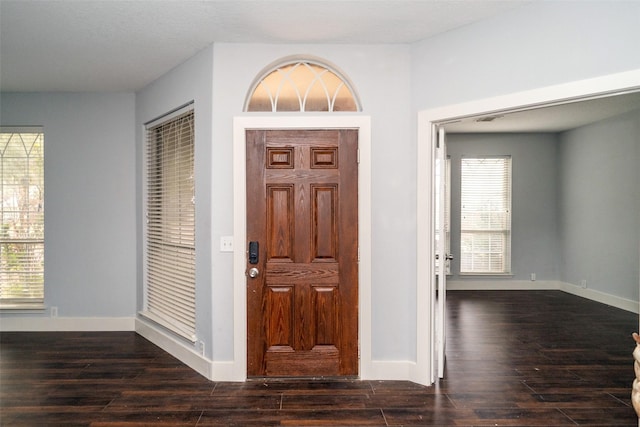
{"x": 302, "y": 210}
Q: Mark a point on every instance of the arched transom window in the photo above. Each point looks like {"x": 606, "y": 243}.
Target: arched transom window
{"x": 301, "y": 85}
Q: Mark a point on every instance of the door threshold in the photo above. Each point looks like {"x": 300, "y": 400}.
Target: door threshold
{"x": 304, "y": 378}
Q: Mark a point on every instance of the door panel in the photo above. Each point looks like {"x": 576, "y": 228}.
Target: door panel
{"x": 280, "y": 232}
{"x": 443, "y": 257}
{"x": 302, "y": 208}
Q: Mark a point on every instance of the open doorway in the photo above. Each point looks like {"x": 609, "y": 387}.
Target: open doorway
{"x": 617, "y": 94}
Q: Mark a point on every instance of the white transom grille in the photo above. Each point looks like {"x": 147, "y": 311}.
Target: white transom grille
{"x": 301, "y": 86}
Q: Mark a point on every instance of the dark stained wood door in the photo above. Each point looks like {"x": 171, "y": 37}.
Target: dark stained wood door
{"x": 302, "y": 209}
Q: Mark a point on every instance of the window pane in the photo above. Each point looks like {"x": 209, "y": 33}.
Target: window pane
{"x": 344, "y": 100}
{"x": 22, "y": 274}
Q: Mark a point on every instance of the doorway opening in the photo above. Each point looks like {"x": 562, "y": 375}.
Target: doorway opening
{"x": 429, "y": 120}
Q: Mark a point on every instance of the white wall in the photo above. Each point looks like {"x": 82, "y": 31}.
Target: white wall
{"x": 599, "y": 201}
{"x": 534, "y": 239}
{"x": 189, "y": 82}
{"x": 90, "y": 257}
{"x": 381, "y": 77}
{"x": 538, "y": 45}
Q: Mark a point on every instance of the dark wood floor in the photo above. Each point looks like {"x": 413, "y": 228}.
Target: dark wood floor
{"x": 514, "y": 359}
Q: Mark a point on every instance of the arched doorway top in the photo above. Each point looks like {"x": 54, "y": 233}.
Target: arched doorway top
{"x": 304, "y": 84}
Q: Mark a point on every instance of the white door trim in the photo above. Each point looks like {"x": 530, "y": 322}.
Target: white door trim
{"x": 427, "y": 119}
{"x": 236, "y": 370}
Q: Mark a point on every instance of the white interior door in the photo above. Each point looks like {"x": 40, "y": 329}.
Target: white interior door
{"x": 441, "y": 244}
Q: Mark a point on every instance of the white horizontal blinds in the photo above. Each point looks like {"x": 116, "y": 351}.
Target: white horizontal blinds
{"x": 22, "y": 217}
{"x": 485, "y": 224}
{"x": 170, "y": 228}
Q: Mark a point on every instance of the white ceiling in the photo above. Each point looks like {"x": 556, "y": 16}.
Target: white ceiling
{"x": 114, "y": 45}
{"x": 121, "y": 46}
{"x": 555, "y": 118}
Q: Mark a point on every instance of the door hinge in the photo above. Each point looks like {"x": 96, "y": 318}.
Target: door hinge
{"x": 358, "y": 156}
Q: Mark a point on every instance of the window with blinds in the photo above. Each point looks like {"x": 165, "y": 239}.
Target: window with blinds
{"x": 170, "y": 223}
{"x": 485, "y": 218}
{"x": 22, "y": 217}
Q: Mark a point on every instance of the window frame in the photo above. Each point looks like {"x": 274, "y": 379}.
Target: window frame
{"x": 282, "y": 81}
{"x": 33, "y": 302}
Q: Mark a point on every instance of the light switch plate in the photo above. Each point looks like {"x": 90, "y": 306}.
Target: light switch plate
{"x": 226, "y": 244}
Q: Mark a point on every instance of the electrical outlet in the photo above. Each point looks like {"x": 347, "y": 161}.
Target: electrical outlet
{"x": 54, "y": 311}
{"x": 226, "y": 244}
{"x": 533, "y": 277}
{"x": 583, "y": 283}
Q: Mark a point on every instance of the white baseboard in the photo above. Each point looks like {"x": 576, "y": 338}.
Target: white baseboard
{"x": 226, "y": 371}
{"x": 178, "y": 349}
{"x": 390, "y": 370}
{"x": 612, "y": 300}
{"x": 66, "y": 324}
{"x": 491, "y": 285}
{"x": 501, "y": 285}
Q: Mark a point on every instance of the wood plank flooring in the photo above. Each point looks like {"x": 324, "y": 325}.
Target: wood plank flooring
{"x": 531, "y": 358}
